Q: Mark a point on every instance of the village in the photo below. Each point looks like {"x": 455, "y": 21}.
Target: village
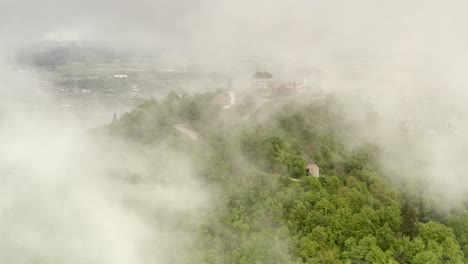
{"x": 263, "y": 88}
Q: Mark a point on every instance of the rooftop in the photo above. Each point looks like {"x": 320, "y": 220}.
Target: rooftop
{"x": 263, "y": 75}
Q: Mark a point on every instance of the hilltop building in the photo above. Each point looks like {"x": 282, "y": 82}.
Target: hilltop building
{"x": 262, "y": 81}
{"x": 283, "y": 88}
{"x": 289, "y": 87}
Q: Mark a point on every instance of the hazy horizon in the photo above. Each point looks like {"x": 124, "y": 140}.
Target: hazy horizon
{"x": 404, "y": 61}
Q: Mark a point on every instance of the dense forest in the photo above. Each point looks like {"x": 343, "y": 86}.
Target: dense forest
{"x": 269, "y": 211}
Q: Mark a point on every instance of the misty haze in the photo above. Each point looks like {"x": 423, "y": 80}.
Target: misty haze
{"x": 222, "y": 131}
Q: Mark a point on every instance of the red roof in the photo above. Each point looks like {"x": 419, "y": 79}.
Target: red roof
{"x": 287, "y": 85}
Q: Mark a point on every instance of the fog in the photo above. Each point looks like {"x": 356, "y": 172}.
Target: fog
{"x": 66, "y": 196}
{"x": 407, "y": 59}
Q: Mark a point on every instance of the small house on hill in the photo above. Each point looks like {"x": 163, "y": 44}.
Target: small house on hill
{"x": 312, "y": 169}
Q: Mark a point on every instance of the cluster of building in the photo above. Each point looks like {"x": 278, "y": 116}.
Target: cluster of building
{"x": 264, "y": 86}
{"x": 268, "y": 87}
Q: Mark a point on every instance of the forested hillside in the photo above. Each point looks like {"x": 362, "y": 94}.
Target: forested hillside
{"x": 268, "y": 211}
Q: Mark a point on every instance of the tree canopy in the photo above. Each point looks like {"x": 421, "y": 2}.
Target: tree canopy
{"x": 271, "y": 212}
